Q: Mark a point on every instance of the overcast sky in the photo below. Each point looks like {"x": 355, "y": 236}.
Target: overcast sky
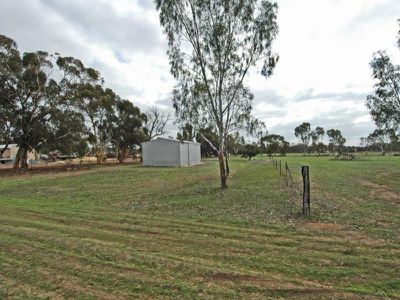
{"x": 323, "y": 75}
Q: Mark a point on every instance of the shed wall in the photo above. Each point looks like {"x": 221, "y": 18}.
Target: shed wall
{"x": 184, "y": 154}
{"x": 194, "y": 154}
{"x": 161, "y": 153}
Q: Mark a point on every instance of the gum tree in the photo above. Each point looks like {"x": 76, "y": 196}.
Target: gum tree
{"x": 126, "y": 127}
{"x": 303, "y": 133}
{"x": 212, "y": 46}
{"x": 38, "y": 88}
{"x": 384, "y": 102}
{"x": 336, "y": 140}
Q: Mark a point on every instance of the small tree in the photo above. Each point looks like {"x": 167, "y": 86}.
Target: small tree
{"x": 212, "y": 46}
{"x": 317, "y": 136}
{"x": 382, "y": 138}
{"x": 336, "y": 141}
{"x": 275, "y": 144}
{"x": 320, "y": 148}
{"x": 303, "y": 133}
{"x": 250, "y": 150}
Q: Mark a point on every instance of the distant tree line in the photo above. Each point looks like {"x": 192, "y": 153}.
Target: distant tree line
{"x": 53, "y": 103}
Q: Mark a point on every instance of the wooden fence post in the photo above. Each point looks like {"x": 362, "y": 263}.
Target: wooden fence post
{"x": 280, "y": 167}
{"x": 286, "y": 169}
{"x": 305, "y": 172}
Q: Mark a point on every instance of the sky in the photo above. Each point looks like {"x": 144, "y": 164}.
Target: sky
{"x": 323, "y": 75}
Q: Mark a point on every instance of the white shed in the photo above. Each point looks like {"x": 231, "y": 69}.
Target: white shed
{"x": 164, "y": 152}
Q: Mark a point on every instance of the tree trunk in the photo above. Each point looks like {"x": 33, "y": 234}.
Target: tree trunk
{"x": 17, "y": 159}
{"x": 24, "y": 160}
{"x": 99, "y": 155}
{"x": 222, "y": 169}
{"x": 227, "y": 165}
{"x": 121, "y": 154}
{"x": 383, "y": 151}
{"x": 21, "y": 159}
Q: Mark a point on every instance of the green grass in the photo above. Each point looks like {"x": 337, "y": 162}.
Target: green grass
{"x": 133, "y": 232}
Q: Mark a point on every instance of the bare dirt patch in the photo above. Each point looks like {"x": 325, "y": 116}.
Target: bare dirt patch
{"x": 62, "y": 169}
{"x": 328, "y": 227}
{"x": 381, "y": 191}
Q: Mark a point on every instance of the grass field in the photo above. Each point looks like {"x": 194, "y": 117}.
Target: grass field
{"x": 131, "y": 232}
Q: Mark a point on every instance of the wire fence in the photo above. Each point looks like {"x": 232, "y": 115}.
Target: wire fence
{"x": 297, "y": 187}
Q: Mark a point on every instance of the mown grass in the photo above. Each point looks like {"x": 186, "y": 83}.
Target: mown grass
{"x": 132, "y": 232}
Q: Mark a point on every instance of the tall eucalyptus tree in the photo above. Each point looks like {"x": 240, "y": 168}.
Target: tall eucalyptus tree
{"x": 212, "y": 46}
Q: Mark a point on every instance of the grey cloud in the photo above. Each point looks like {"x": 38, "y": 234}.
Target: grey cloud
{"x": 310, "y": 94}
{"x": 34, "y": 27}
{"x": 148, "y": 4}
{"x": 166, "y": 102}
{"x": 268, "y": 96}
{"x": 98, "y": 21}
{"x": 384, "y": 10}
{"x": 341, "y": 118}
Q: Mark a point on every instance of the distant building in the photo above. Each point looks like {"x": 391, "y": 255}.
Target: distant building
{"x": 164, "y": 152}
{"x": 10, "y": 154}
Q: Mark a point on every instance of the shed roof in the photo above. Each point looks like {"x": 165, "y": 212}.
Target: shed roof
{"x": 171, "y": 140}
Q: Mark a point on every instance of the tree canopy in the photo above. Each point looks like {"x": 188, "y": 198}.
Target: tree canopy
{"x": 303, "y": 132}
{"x": 38, "y": 87}
{"x": 336, "y": 140}
{"x": 212, "y": 46}
{"x": 274, "y": 144}
{"x": 53, "y": 103}
{"x": 384, "y": 102}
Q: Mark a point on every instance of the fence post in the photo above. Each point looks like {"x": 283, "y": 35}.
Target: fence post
{"x": 280, "y": 167}
{"x": 286, "y": 169}
{"x": 305, "y": 172}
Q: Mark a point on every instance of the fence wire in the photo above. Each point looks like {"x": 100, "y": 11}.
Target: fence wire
{"x": 291, "y": 184}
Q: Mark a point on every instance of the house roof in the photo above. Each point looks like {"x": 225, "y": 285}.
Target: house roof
{"x": 171, "y": 140}
{"x": 9, "y": 146}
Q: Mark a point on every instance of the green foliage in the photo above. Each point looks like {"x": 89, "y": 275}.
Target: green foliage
{"x": 234, "y": 144}
{"x": 382, "y": 138}
{"x": 275, "y": 144}
{"x": 126, "y": 127}
{"x": 36, "y": 90}
{"x": 303, "y": 132}
{"x": 249, "y": 151}
{"x": 51, "y": 103}
{"x": 66, "y": 135}
{"x": 187, "y": 133}
{"x": 336, "y": 141}
{"x": 211, "y": 47}
{"x": 384, "y": 102}
{"x": 208, "y": 133}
